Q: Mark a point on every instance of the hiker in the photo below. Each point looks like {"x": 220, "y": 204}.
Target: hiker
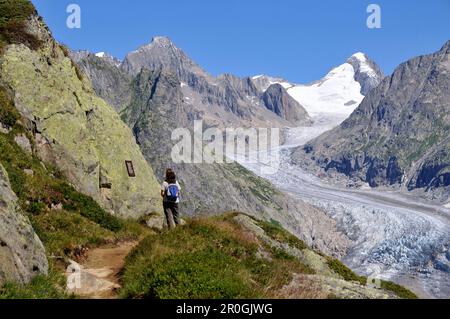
{"x": 170, "y": 192}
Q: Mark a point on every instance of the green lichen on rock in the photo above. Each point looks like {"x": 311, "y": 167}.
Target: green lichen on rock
{"x": 77, "y": 131}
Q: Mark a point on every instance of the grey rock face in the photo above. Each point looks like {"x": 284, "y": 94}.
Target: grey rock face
{"x": 23, "y": 142}
{"x": 22, "y": 255}
{"x": 161, "y": 53}
{"x": 262, "y": 82}
{"x": 107, "y": 79}
{"x": 367, "y": 72}
{"x": 400, "y": 134}
{"x": 278, "y": 100}
{"x": 78, "y": 56}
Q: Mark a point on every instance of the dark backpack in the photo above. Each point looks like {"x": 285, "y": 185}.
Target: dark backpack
{"x": 172, "y": 192}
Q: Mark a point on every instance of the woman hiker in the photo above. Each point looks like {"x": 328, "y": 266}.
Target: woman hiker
{"x": 170, "y": 192}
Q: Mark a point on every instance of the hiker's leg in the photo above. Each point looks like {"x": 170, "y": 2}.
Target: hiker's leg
{"x": 169, "y": 216}
{"x": 176, "y": 214}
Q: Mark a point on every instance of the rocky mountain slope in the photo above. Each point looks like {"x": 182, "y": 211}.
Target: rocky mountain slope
{"x": 57, "y": 135}
{"x": 399, "y": 135}
{"x": 74, "y": 129}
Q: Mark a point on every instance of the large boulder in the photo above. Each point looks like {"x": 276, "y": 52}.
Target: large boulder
{"x": 22, "y": 255}
{"x": 77, "y": 131}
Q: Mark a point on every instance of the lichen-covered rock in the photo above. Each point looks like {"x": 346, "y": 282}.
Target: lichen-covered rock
{"x": 22, "y": 255}
{"x": 76, "y": 130}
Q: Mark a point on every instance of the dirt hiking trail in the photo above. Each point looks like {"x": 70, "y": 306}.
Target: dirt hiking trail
{"x": 97, "y": 277}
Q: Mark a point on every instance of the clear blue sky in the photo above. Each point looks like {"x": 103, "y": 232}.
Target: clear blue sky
{"x": 298, "y": 40}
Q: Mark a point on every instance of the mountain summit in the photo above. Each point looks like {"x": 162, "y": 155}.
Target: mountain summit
{"x": 161, "y": 53}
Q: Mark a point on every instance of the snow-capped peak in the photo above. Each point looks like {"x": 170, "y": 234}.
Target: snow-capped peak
{"x": 360, "y": 56}
{"x": 339, "y": 92}
{"x": 362, "y": 64}
{"x": 367, "y": 73}
{"x": 336, "y": 93}
{"x": 100, "y": 54}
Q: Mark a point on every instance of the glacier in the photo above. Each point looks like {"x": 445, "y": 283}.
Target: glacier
{"x": 394, "y": 235}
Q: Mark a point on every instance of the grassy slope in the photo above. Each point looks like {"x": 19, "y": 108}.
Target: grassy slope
{"x": 207, "y": 258}
{"x": 216, "y": 258}
{"x": 82, "y": 222}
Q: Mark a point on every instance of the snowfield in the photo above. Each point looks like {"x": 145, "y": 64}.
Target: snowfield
{"x": 337, "y": 93}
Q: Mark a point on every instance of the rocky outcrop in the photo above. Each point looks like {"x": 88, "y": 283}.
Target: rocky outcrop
{"x": 22, "y": 255}
{"x": 107, "y": 79}
{"x": 367, "y": 72}
{"x": 162, "y": 53}
{"x": 277, "y": 100}
{"x": 399, "y": 135}
{"x": 75, "y": 130}
{"x": 262, "y": 82}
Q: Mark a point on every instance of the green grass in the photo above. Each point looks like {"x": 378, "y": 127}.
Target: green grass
{"x": 13, "y": 15}
{"x": 8, "y": 113}
{"x": 63, "y": 232}
{"x": 40, "y": 287}
{"x": 342, "y": 270}
{"x": 207, "y": 258}
{"x": 400, "y": 291}
{"x": 84, "y": 205}
{"x": 274, "y": 230}
{"x": 347, "y": 274}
